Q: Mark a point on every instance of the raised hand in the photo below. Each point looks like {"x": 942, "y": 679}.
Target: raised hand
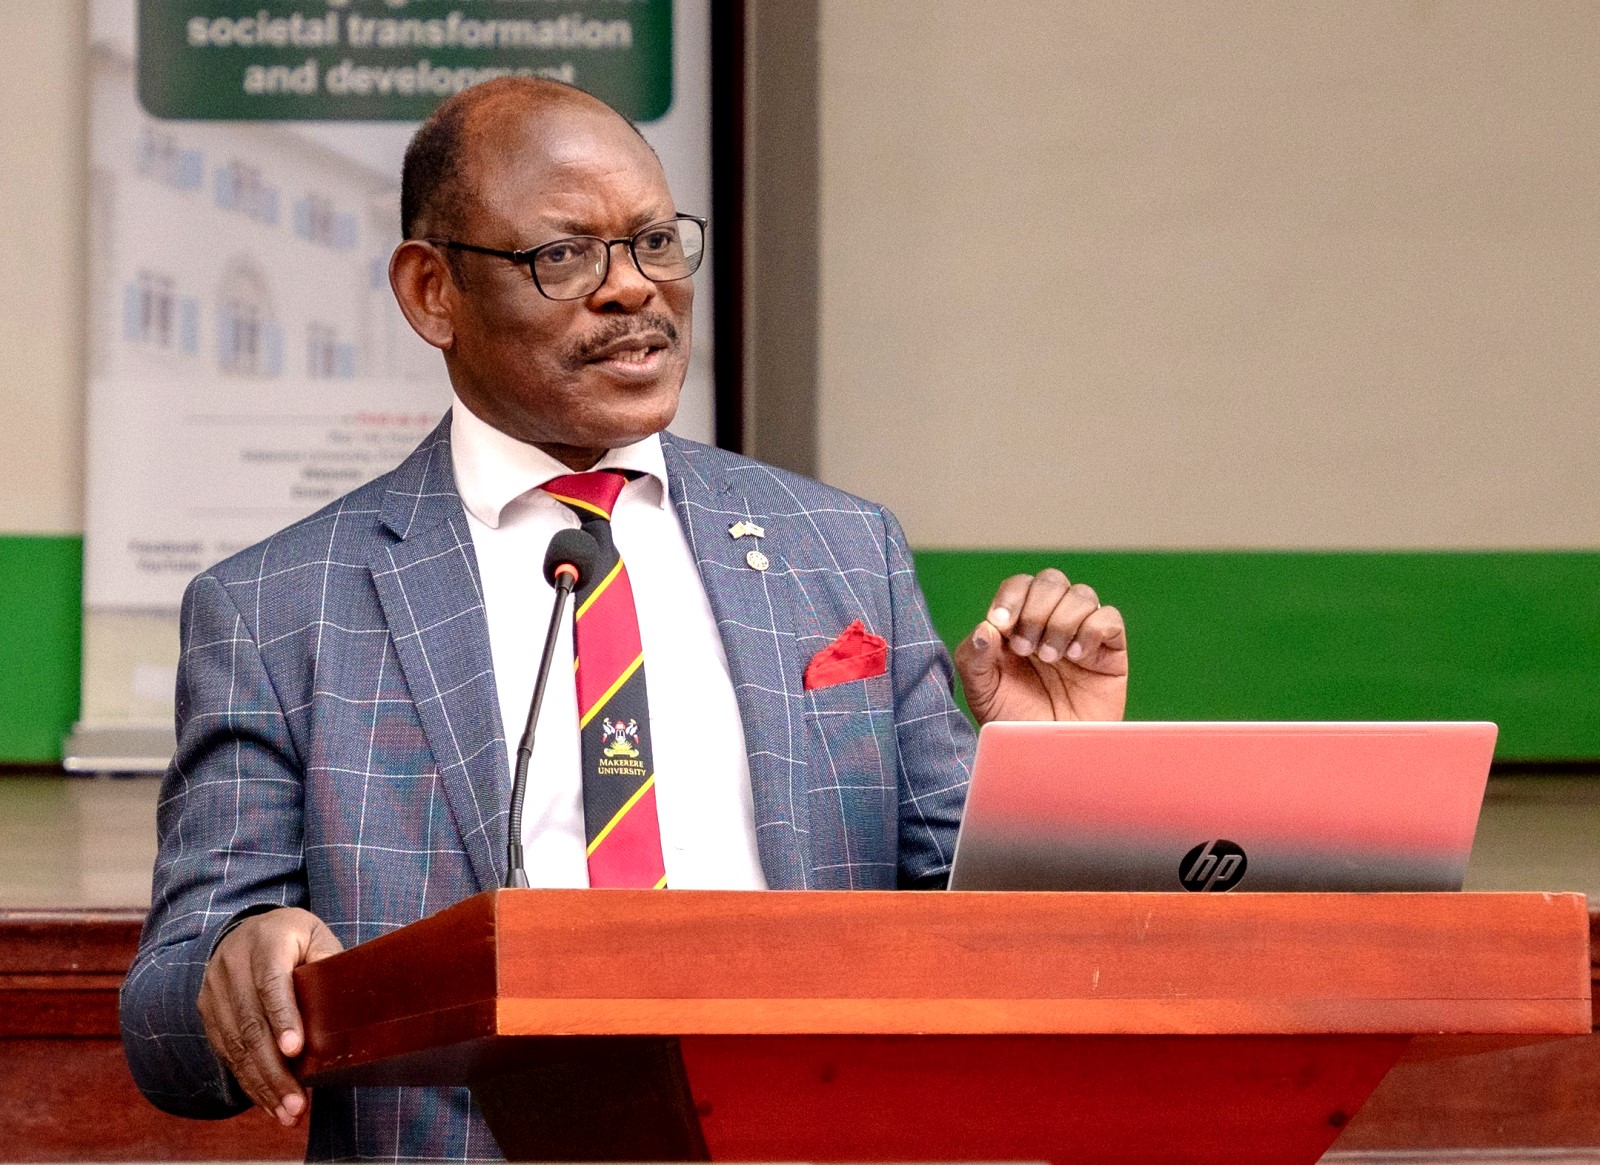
{"x": 1047, "y": 650}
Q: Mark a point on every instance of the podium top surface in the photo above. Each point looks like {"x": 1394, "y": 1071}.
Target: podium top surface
{"x": 512, "y": 963}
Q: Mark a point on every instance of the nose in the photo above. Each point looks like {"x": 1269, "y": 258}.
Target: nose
{"x": 626, "y": 287}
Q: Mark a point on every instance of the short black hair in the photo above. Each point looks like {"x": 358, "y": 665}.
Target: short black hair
{"x": 434, "y": 184}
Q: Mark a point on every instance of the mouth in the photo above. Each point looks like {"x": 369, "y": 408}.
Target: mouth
{"x": 638, "y": 357}
{"x": 633, "y": 351}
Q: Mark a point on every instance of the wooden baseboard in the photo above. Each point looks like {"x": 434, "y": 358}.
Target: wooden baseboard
{"x": 65, "y": 1090}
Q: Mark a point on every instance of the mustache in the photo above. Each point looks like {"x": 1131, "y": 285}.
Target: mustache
{"x": 621, "y": 328}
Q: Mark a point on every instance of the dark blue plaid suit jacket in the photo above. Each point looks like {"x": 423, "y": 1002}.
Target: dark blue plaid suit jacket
{"x": 339, "y": 744}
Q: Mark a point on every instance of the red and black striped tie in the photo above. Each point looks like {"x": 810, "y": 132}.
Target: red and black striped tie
{"x": 619, "y": 776}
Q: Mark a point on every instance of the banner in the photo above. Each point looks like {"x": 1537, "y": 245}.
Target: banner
{"x": 247, "y": 361}
{"x": 242, "y": 59}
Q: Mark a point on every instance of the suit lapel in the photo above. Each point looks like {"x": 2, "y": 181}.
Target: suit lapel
{"x": 428, "y": 585}
{"x": 756, "y": 617}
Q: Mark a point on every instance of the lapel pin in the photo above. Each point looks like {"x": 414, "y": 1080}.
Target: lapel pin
{"x": 758, "y": 560}
{"x": 743, "y": 529}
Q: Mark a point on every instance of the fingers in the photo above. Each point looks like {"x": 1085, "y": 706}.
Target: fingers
{"x": 978, "y": 659}
{"x": 323, "y": 942}
{"x": 238, "y": 1028}
{"x": 1101, "y": 643}
{"x": 275, "y": 989}
{"x": 1043, "y": 615}
{"x": 1051, "y": 616}
{"x": 247, "y": 1004}
{"x": 1009, "y": 600}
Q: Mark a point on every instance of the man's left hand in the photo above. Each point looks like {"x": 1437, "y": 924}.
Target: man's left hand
{"x": 1047, "y": 651}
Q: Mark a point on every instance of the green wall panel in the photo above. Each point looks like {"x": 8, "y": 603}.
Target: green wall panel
{"x": 41, "y": 599}
{"x": 1505, "y": 636}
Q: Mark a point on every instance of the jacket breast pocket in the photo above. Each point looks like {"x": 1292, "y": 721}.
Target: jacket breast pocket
{"x": 852, "y": 785}
{"x": 852, "y": 724}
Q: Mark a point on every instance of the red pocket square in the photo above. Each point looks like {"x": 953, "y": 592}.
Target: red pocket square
{"x": 857, "y": 654}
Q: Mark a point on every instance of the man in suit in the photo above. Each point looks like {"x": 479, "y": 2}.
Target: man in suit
{"x": 348, "y": 686}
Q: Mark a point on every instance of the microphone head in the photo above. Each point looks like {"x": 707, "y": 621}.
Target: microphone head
{"x": 575, "y": 550}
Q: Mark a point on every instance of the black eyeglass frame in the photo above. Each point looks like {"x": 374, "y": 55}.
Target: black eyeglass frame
{"x": 526, "y": 256}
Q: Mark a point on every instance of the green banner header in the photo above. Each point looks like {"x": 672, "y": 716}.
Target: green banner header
{"x": 392, "y": 60}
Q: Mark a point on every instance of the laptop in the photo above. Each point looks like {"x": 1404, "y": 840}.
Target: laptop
{"x": 1214, "y": 807}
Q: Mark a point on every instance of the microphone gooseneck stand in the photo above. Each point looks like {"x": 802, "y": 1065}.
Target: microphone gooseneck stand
{"x": 567, "y": 563}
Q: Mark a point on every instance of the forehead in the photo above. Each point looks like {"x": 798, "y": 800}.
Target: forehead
{"x": 566, "y": 167}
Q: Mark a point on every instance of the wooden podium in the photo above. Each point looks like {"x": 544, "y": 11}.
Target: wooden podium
{"x": 814, "y": 1026}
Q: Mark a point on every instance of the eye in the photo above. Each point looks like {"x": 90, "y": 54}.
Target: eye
{"x": 656, "y": 240}
{"x": 559, "y": 254}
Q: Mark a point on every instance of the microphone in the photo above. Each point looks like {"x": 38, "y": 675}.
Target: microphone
{"x": 567, "y": 563}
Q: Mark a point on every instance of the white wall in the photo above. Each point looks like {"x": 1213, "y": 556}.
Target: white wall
{"x": 1124, "y": 273}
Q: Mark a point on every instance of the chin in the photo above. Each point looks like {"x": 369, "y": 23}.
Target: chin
{"x": 656, "y": 422}
{"x": 633, "y": 421}
{"x": 646, "y": 409}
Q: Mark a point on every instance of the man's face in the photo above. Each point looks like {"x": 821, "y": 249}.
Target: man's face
{"x": 580, "y": 376}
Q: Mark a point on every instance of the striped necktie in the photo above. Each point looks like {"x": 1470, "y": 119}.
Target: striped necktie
{"x": 619, "y": 777}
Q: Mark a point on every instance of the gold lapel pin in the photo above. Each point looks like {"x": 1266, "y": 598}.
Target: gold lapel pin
{"x": 744, "y": 529}
{"x": 758, "y": 560}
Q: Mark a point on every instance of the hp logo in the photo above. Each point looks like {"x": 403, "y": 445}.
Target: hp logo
{"x": 1212, "y": 865}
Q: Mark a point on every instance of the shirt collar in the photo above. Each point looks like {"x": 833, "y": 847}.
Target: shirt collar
{"x": 494, "y": 469}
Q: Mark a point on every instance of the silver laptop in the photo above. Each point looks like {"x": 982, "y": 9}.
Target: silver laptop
{"x": 1223, "y": 806}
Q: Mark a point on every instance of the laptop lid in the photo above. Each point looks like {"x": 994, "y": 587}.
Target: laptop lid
{"x": 1149, "y": 805}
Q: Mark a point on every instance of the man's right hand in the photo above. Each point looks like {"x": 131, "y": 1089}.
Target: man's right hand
{"x": 248, "y": 1007}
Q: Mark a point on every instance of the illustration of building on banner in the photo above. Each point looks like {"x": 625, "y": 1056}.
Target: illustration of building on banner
{"x": 243, "y": 335}
{"x": 238, "y": 251}
{"x": 247, "y": 364}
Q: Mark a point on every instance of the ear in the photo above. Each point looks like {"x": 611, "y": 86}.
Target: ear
{"x": 425, "y": 290}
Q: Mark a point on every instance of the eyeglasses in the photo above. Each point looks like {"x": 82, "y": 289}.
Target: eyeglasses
{"x": 575, "y": 267}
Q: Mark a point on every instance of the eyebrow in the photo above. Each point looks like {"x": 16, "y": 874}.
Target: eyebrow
{"x": 572, "y": 226}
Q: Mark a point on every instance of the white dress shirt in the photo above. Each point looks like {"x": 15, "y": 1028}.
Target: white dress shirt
{"x": 703, "y": 796}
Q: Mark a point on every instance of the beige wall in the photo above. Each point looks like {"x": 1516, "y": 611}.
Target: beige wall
{"x": 1125, "y": 274}
{"x": 1106, "y": 273}
{"x": 41, "y": 249}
